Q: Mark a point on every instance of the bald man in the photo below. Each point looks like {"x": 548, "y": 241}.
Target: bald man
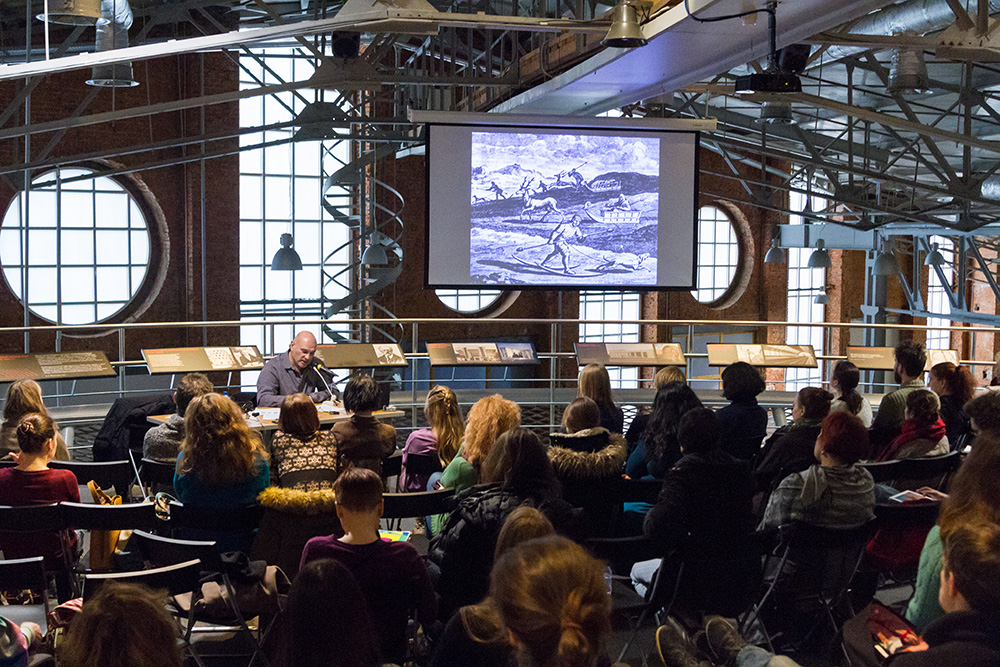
{"x": 291, "y": 373}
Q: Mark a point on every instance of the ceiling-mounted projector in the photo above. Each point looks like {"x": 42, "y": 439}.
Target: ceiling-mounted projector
{"x": 768, "y": 82}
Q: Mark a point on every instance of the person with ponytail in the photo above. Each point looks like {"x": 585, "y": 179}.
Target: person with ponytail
{"x": 955, "y": 387}
{"x": 923, "y": 432}
{"x": 31, "y": 482}
{"x": 844, "y": 383}
{"x": 442, "y": 439}
{"x": 552, "y": 599}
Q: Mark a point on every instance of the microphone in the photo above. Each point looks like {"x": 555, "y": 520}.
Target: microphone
{"x": 318, "y": 366}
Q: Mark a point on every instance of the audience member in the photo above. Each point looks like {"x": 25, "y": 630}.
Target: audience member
{"x": 222, "y": 463}
{"x": 552, "y": 599}
{"x": 955, "y": 387}
{"x": 441, "y": 440}
{"x": 638, "y": 424}
{"x": 704, "y": 512}
{"x": 32, "y": 482}
{"x": 835, "y": 493}
{"x": 974, "y": 498}
{"x": 969, "y": 632}
{"x": 475, "y": 635}
{"x": 363, "y": 440}
{"x": 488, "y": 418}
{"x": 163, "y": 442}
{"x": 908, "y": 374}
{"x": 24, "y": 397}
{"x": 743, "y": 423}
{"x": 724, "y": 646}
{"x": 595, "y": 384}
{"x": 586, "y": 458}
{"x": 844, "y": 383}
{"x": 392, "y": 575}
{"x": 302, "y": 456}
{"x": 658, "y": 450}
{"x": 517, "y": 471}
{"x": 923, "y": 432}
{"x": 326, "y": 621}
{"x": 790, "y": 448}
{"x": 984, "y": 413}
{"x": 17, "y": 642}
{"x": 123, "y": 625}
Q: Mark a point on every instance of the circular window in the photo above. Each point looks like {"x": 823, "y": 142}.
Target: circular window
{"x": 82, "y": 243}
{"x": 468, "y": 300}
{"x": 725, "y": 251}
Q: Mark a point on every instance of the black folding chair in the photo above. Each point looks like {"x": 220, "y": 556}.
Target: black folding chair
{"x": 107, "y": 474}
{"x": 392, "y": 466}
{"x": 21, "y": 574}
{"x": 398, "y": 506}
{"x": 419, "y": 464}
{"x": 43, "y": 519}
{"x": 154, "y": 474}
{"x": 181, "y": 581}
{"x": 91, "y": 517}
{"x": 160, "y": 551}
{"x": 234, "y": 527}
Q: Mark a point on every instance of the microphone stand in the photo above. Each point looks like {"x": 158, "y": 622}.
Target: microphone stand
{"x": 318, "y": 370}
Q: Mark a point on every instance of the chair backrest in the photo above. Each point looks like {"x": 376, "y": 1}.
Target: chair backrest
{"x": 929, "y": 470}
{"x": 23, "y": 573}
{"x": 88, "y": 516}
{"x": 28, "y": 519}
{"x": 914, "y": 514}
{"x": 153, "y": 472}
{"x": 160, "y": 551}
{"x": 621, "y": 552}
{"x": 640, "y": 490}
{"x": 392, "y": 466}
{"x": 424, "y": 503}
{"x": 422, "y": 464}
{"x": 107, "y": 474}
{"x": 881, "y": 471}
{"x": 823, "y": 560}
{"x": 236, "y": 520}
{"x": 174, "y": 579}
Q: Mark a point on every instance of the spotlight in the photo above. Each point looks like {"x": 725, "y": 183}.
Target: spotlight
{"x": 625, "y": 32}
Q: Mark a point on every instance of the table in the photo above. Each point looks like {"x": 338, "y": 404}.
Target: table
{"x": 267, "y": 426}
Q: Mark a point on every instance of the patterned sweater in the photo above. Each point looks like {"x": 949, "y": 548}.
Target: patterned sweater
{"x": 306, "y": 464}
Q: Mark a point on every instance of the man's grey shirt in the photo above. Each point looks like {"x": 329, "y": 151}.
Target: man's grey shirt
{"x": 279, "y": 378}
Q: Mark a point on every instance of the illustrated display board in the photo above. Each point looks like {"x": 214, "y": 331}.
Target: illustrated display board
{"x": 559, "y": 205}
{"x": 884, "y": 358}
{"x": 201, "y": 359}
{"x": 766, "y": 355}
{"x": 54, "y": 366}
{"x": 481, "y": 354}
{"x": 360, "y": 355}
{"x": 630, "y": 354}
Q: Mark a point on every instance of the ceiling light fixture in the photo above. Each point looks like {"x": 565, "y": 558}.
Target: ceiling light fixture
{"x": 934, "y": 257}
{"x": 286, "y": 259}
{"x": 885, "y": 263}
{"x": 820, "y": 259}
{"x": 822, "y": 299}
{"x": 775, "y": 255}
{"x": 625, "y": 32}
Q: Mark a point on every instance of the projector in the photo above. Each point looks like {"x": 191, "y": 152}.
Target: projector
{"x": 768, "y": 82}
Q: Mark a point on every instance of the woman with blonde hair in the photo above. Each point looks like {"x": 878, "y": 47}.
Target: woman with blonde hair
{"x": 488, "y": 418}
{"x": 222, "y": 462}
{"x": 24, "y": 397}
{"x": 595, "y": 384}
{"x": 441, "y": 440}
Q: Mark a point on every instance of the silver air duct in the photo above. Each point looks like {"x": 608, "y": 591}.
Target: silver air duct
{"x": 113, "y": 35}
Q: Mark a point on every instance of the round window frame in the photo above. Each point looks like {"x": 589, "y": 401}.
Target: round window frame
{"x": 745, "y": 252}
{"x": 159, "y": 245}
{"x": 495, "y": 308}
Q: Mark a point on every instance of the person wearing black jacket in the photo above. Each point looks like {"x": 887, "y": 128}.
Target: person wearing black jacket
{"x": 743, "y": 422}
{"x": 790, "y": 448}
{"x": 516, "y": 472}
{"x": 969, "y": 632}
{"x": 704, "y": 511}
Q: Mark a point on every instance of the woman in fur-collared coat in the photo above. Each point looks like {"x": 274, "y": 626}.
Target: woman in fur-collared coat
{"x": 588, "y": 460}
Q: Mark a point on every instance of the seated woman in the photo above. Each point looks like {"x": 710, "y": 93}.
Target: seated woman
{"x": 222, "y": 464}
{"x": 955, "y": 387}
{"x": 835, "y": 493}
{"x": 363, "y": 440}
{"x": 743, "y": 422}
{"x": 25, "y": 397}
{"x": 302, "y": 456}
{"x": 641, "y": 420}
{"x": 31, "y": 482}
{"x": 790, "y": 448}
{"x": 595, "y": 384}
{"x": 441, "y": 441}
{"x": 923, "y": 433}
{"x": 516, "y": 472}
{"x": 844, "y": 382}
{"x": 658, "y": 450}
{"x": 488, "y": 418}
{"x": 584, "y": 457}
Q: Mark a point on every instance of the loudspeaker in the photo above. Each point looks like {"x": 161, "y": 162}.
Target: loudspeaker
{"x": 793, "y": 58}
{"x": 345, "y": 44}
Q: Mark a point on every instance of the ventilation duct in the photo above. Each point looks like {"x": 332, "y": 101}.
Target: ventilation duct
{"x": 990, "y": 188}
{"x": 74, "y": 12}
{"x": 908, "y": 72}
{"x": 776, "y": 113}
{"x": 113, "y": 35}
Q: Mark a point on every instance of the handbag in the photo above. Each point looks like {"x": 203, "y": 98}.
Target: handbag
{"x": 103, "y": 543}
